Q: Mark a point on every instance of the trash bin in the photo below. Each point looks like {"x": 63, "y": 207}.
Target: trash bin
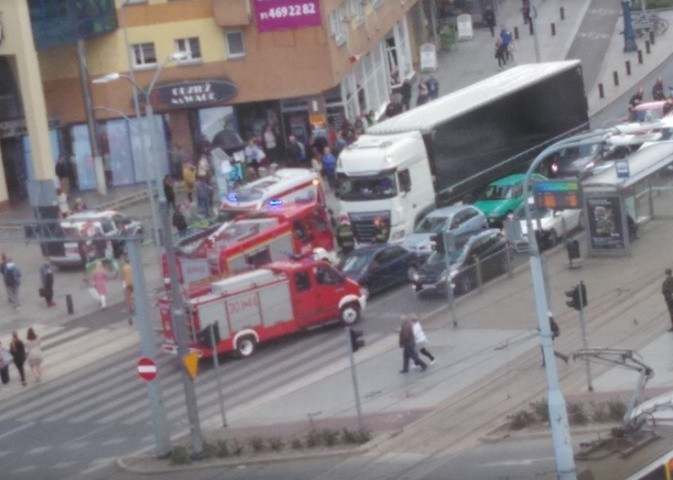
{"x": 447, "y": 37}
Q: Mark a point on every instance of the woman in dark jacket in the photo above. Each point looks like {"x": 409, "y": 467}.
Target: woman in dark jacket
{"x": 47, "y": 283}
{"x": 18, "y": 352}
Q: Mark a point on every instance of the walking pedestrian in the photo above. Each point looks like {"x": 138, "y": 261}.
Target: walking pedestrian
{"x": 12, "y": 277}
{"x": 420, "y": 338}
{"x": 99, "y": 281}
{"x": 3, "y": 267}
{"x": 204, "y": 196}
{"x": 423, "y": 94}
{"x": 63, "y": 173}
{"x": 18, "y": 351}
{"x": 408, "y": 344}
{"x": 169, "y": 191}
{"x": 189, "y": 179}
{"x": 405, "y": 90}
{"x": 34, "y": 354}
{"x": 127, "y": 285}
{"x": 667, "y": 292}
{"x": 489, "y": 18}
{"x": 47, "y": 283}
{"x": 501, "y": 52}
{"x": 433, "y": 87}
{"x": 329, "y": 167}
{"x": 555, "y": 332}
{"x": 506, "y": 37}
{"x": 5, "y": 361}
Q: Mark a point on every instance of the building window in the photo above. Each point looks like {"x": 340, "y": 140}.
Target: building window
{"x": 144, "y": 55}
{"x": 336, "y": 23}
{"x": 190, "y": 47}
{"x": 356, "y": 10}
{"x": 235, "y": 47}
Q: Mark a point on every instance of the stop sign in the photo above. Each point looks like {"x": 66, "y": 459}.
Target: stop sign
{"x": 147, "y": 369}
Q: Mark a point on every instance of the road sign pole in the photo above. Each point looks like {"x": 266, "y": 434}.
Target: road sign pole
{"x": 216, "y": 362}
{"x": 354, "y": 377}
{"x": 157, "y": 409}
{"x": 449, "y": 244}
{"x": 584, "y": 340}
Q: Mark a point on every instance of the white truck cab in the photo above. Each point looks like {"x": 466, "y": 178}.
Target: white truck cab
{"x": 384, "y": 180}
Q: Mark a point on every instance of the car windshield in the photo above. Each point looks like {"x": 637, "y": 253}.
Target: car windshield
{"x": 356, "y": 262}
{"x": 431, "y": 225}
{"x": 367, "y": 188}
{"x": 497, "y": 192}
{"x": 454, "y": 255}
{"x": 245, "y": 194}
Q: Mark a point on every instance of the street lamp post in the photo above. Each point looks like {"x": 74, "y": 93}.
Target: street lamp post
{"x": 177, "y": 305}
{"x": 565, "y": 462}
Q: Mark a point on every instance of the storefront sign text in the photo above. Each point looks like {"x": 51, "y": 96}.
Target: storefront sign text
{"x": 192, "y": 94}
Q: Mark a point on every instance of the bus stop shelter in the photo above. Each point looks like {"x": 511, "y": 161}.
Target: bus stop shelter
{"x": 636, "y": 188}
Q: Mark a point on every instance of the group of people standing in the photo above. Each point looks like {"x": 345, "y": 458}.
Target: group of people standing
{"x": 19, "y": 353}
{"x": 658, "y": 94}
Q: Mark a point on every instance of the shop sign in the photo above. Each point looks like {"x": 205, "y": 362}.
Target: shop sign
{"x": 273, "y": 15}
{"x": 605, "y": 223}
{"x": 192, "y": 93}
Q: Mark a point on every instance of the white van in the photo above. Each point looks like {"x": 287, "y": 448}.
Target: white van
{"x": 284, "y": 186}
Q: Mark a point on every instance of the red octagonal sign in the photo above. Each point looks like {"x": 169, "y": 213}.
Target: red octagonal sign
{"x": 147, "y": 369}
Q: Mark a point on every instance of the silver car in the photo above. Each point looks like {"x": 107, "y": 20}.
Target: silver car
{"x": 456, "y": 219}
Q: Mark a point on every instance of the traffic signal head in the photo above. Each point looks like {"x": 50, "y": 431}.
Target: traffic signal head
{"x": 356, "y": 341}
{"x": 574, "y": 296}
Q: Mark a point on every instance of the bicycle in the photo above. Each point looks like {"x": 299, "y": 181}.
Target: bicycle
{"x": 645, "y": 22}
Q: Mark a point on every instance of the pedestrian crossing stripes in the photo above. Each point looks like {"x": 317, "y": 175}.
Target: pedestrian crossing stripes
{"x": 111, "y": 393}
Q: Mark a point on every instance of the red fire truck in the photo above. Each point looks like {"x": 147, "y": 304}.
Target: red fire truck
{"x": 255, "y": 306}
{"x": 252, "y": 240}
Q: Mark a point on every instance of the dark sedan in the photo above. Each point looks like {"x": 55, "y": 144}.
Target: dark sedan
{"x": 488, "y": 249}
{"x": 378, "y": 267}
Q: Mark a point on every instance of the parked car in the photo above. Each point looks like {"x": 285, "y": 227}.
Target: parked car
{"x": 457, "y": 219}
{"x": 81, "y": 229}
{"x": 552, "y": 224}
{"x": 381, "y": 266}
{"x": 502, "y": 197}
{"x": 489, "y": 247}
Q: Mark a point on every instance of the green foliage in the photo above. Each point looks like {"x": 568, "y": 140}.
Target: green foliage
{"x": 276, "y": 443}
{"x": 180, "y": 456}
{"x": 357, "y": 437}
{"x": 210, "y": 450}
{"x": 599, "y": 413}
{"x": 296, "y": 444}
{"x": 616, "y": 410}
{"x": 236, "y": 447}
{"x": 223, "y": 449}
{"x": 576, "y": 414}
{"x": 257, "y": 444}
{"x": 313, "y": 438}
{"x": 541, "y": 409}
{"x": 330, "y": 437}
{"x": 521, "y": 419}
{"x": 651, "y": 4}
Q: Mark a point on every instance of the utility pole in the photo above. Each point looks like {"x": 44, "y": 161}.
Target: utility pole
{"x": 157, "y": 407}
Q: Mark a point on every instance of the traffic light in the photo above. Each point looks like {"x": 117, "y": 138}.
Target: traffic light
{"x": 356, "y": 341}
{"x": 577, "y": 296}
{"x": 204, "y": 338}
{"x": 438, "y": 238}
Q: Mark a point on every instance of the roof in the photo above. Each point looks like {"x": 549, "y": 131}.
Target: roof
{"x": 426, "y": 117}
{"x": 451, "y": 209}
{"x": 509, "y": 179}
{"x": 642, "y": 163}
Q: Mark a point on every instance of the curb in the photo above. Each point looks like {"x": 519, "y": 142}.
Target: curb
{"x": 545, "y": 432}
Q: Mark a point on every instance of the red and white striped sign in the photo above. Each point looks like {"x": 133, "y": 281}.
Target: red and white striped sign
{"x": 147, "y": 369}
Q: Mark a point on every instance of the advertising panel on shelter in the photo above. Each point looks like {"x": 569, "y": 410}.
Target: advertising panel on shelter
{"x": 273, "y": 15}
{"x": 605, "y": 223}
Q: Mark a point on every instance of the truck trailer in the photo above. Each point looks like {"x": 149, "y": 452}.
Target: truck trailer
{"x": 448, "y": 149}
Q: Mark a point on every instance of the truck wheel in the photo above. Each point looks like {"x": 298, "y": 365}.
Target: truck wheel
{"x": 246, "y": 346}
{"x": 350, "y": 313}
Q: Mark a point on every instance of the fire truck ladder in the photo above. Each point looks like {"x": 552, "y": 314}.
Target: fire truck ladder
{"x": 630, "y": 436}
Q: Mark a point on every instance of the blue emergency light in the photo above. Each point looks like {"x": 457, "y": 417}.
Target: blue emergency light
{"x": 232, "y": 197}
{"x": 275, "y": 202}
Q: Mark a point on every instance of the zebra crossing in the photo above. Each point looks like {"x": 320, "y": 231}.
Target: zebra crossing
{"x": 92, "y": 407}
{"x": 108, "y": 391}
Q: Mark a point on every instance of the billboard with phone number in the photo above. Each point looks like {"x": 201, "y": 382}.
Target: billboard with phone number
{"x": 273, "y": 15}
